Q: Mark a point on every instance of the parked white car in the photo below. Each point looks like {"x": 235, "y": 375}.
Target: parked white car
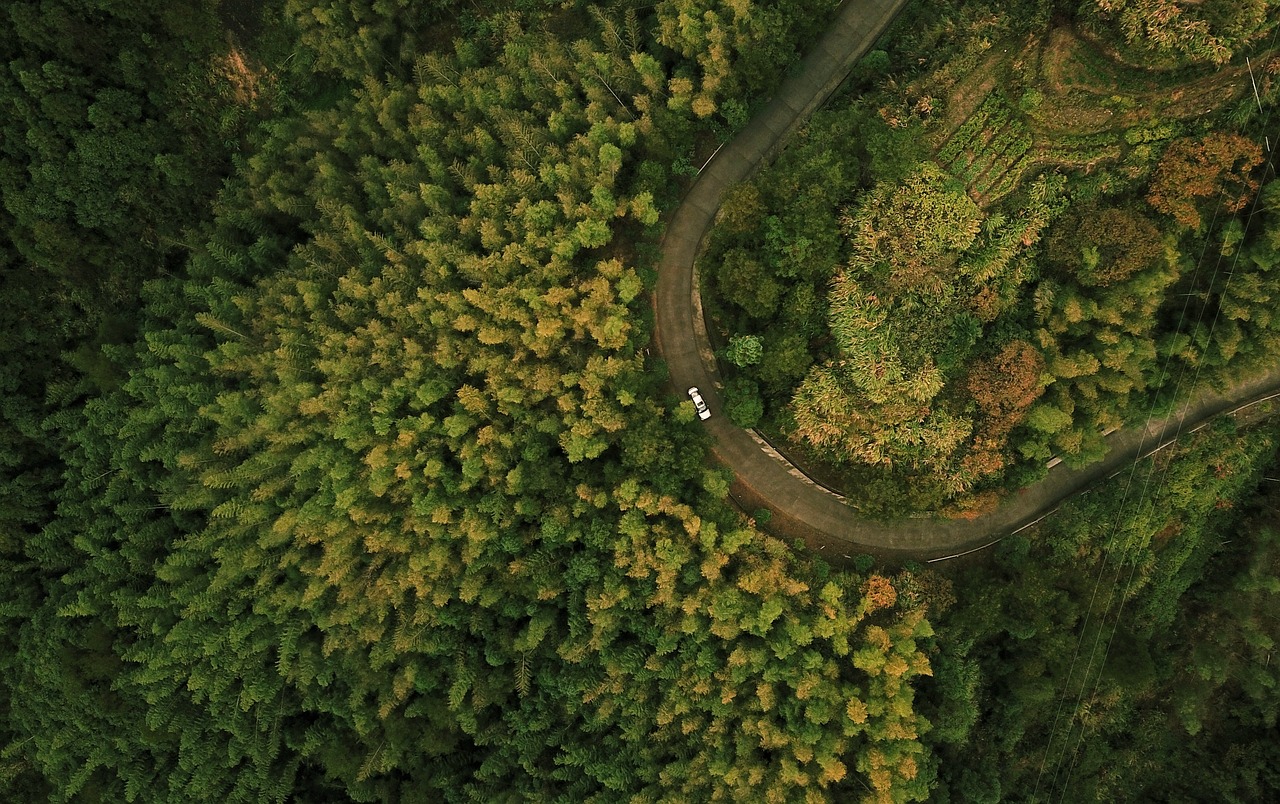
{"x": 699, "y": 404}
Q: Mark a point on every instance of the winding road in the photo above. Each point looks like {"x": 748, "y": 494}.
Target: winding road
{"x": 764, "y": 479}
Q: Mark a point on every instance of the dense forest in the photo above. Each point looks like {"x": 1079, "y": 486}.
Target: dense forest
{"x": 335, "y": 466}
{"x": 1122, "y": 651}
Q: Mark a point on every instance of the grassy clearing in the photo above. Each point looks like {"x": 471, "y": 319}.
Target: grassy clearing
{"x": 1087, "y": 89}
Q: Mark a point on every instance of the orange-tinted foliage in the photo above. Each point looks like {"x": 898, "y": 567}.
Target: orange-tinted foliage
{"x": 1006, "y": 385}
{"x": 879, "y": 593}
{"x": 1215, "y": 167}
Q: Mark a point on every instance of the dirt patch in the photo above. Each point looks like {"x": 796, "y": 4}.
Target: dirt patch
{"x": 969, "y": 92}
{"x": 1085, "y": 160}
{"x": 1064, "y": 65}
{"x": 1227, "y": 86}
{"x": 235, "y": 69}
{"x": 1168, "y": 532}
{"x": 1061, "y": 117}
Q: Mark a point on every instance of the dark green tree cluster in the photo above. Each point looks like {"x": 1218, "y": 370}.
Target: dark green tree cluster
{"x": 1121, "y": 650}
{"x": 114, "y": 137}
{"x": 770, "y": 259}
{"x": 355, "y": 38}
{"x": 1236, "y": 302}
{"x": 729, "y": 48}
{"x": 117, "y": 128}
{"x": 1109, "y": 271}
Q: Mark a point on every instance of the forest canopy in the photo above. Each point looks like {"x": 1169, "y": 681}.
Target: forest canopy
{"x": 335, "y": 464}
{"x": 381, "y": 500}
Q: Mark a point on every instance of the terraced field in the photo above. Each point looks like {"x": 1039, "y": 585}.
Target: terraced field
{"x": 1081, "y": 110}
{"x": 990, "y": 151}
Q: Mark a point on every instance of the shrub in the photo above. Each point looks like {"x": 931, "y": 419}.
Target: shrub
{"x": 742, "y": 402}
{"x": 744, "y": 350}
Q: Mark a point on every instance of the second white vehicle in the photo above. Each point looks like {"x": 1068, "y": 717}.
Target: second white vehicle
{"x": 699, "y": 404}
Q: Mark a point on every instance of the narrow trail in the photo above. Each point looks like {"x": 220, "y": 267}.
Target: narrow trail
{"x": 763, "y": 478}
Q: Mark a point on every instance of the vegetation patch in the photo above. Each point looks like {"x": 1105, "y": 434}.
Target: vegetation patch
{"x": 987, "y": 153}
{"x": 333, "y": 462}
{"x": 1052, "y": 200}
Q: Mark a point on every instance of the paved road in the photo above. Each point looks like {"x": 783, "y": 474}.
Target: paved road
{"x": 763, "y": 479}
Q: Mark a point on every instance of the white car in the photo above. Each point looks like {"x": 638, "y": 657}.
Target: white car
{"x": 699, "y": 404}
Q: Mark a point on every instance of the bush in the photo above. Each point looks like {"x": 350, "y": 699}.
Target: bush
{"x": 744, "y": 350}
{"x": 742, "y": 402}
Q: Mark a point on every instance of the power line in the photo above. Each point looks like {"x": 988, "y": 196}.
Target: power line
{"x": 1133, "y": 570}
{"x": 1112, "y": 532}
{"x": 1144, "y": 493}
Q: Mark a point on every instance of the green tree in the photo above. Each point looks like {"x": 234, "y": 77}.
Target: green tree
{"x": 1100, "y": 247}
{"x": 744, "y": 350}
{"x": 1209, "y": 32}
{"x": 909, "y": 235}
{"x": 742, "y": 402}
{"x": 744, "y": 281}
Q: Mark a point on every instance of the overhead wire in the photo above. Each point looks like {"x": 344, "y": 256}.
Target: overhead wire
{"x": 1115, "y": 528}
{"x": 1142, "y": 494}
{"x": 1269, "y": 162}
{"x": 1107, "y": 549}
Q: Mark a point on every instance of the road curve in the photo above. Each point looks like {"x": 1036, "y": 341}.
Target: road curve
{"x": 763, "y": 479}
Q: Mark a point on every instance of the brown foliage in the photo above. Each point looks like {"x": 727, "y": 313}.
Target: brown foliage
{"x": 987, "y": 304}
{"x": 1006, "y": 385}
{"x": 1214, "y": 167}
{"x": 987, "y": 456}
{"x": 974, "y": 505}
{"x": 879, "y": 593}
